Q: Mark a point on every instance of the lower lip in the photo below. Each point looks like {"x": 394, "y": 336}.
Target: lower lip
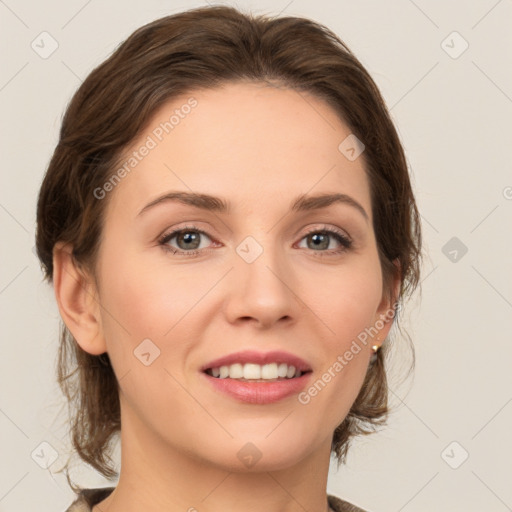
{"x": 259, "y": 392}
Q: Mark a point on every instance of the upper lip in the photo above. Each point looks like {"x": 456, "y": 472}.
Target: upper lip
{"x": 261, "y": 358}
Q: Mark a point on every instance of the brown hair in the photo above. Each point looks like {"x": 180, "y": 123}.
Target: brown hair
{"x": 197, "y": 49}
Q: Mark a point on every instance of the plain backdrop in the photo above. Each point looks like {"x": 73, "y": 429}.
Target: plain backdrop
{"x": 444, "y": 68}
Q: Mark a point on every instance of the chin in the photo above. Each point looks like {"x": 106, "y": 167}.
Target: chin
{"x": 257, "y": 454}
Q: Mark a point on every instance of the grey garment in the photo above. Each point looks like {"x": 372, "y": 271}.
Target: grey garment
{"x": 87, "y": 498}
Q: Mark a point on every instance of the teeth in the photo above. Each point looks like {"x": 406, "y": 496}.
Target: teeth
{"x": 236, "y": 371}
{"x": 251, "y": 371}
{"x": 269, "y": 371}
{"x": 291, "y": 372}
{"x": 282, "y": 370}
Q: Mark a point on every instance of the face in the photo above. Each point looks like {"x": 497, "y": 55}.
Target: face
{"x": 259, "y": 275}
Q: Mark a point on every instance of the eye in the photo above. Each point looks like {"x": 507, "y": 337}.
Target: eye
{"x": 188, "y": 240}
{"x": 321, "y": 238}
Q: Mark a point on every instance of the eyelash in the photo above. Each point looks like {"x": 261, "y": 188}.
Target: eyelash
{"x": 344, "y": 241}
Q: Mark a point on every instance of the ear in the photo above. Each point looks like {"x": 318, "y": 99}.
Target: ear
{"x": 77, "y": 300}
{"x": 387, "y": 308}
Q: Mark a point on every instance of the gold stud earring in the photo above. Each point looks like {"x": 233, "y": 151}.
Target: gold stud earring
{"x": 375, "y": 349}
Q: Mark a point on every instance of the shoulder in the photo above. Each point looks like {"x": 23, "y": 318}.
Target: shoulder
{"x": 339, "y": 505}
{"x": 87, "y": 498}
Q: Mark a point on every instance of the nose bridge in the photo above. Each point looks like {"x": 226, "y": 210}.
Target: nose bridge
{"x": 262, "y": 288}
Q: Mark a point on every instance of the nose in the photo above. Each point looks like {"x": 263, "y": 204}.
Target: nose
{"x": 262, "y": 291}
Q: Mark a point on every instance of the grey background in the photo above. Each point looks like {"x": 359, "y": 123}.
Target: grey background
{"x": 453, "y": 112}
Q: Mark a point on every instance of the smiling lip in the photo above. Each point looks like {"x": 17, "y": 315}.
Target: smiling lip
{"x": 261, "y": 358}
{"x": 259, "y": 392}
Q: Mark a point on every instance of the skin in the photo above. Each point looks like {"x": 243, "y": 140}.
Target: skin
{"x": 259, "y": 147}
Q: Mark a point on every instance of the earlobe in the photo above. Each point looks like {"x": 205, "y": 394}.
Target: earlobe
{"x": 76, "y": 298}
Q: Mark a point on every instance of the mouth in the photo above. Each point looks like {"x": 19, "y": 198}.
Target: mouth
{"x": 256, "y": 377}
{"x": 232, "y": 382}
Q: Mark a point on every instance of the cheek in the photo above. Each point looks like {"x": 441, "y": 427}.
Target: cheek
{"x": 137, "y": 305}
{"x": 348, "y": 302}
{"x": 145, "y": 299}
{"x": 348, "y": 310}
{"x": 151, "y": 302}
{"x": 144, "y": 312}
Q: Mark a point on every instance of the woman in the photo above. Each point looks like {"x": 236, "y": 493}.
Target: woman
{"x": 231, "y": 368}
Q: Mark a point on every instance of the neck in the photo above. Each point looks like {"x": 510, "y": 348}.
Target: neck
{"x": 156, "y": 476}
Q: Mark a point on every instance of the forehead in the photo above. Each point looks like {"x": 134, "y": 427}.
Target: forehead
{"x": 242, "y": 141}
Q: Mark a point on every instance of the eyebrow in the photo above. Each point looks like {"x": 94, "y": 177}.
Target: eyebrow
{"x": 216, "y": 204}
